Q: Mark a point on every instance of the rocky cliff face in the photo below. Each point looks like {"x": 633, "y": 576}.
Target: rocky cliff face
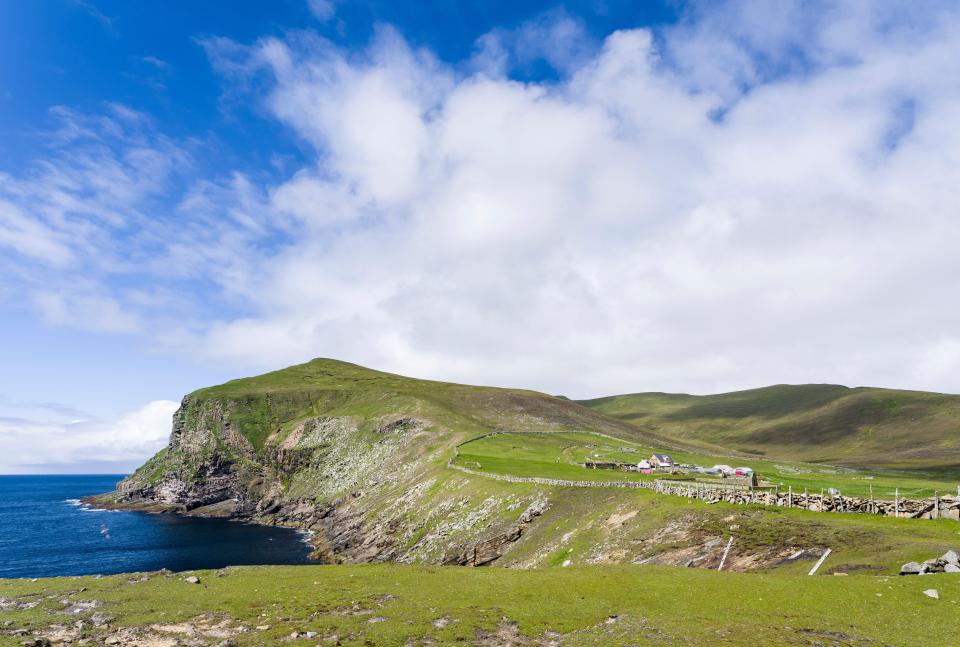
{"x": 206, "y": 462}
{"x": 365, "y": 486}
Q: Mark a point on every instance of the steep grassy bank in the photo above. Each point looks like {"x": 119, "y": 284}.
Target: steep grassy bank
{"x": 397, "y": 605}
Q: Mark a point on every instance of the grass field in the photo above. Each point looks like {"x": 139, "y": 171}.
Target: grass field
{"x": 414, "y": 605}
{"x": 559, "y": 455}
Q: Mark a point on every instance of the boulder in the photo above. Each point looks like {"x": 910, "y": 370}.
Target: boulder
{"x": 932, "y": 593}
{"x": 193, "y": 579}
{"x": 933, "y": 566}
{"x": 950, "y": 557}
{"x": 950, "y": 568}
{"x": 536, "y": 509}
{"x": 911, "y": 568}
{"x": 268, "y": 505}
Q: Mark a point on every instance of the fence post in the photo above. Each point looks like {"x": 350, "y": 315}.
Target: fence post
{"x": 896, "y": 503}
{"x": 820, "y": 561}
{"x": 806, "y": 501}
{"x": 821, "y": 500}
{"x": 725, "y": 551}
{"x": 936, "y": 505}
{"x": 790, "y": 497}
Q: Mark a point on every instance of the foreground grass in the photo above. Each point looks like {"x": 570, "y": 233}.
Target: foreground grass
{"x": 612, "y": 525}
{"x": 392, "y": 604}
{"x": 558, "y": 456}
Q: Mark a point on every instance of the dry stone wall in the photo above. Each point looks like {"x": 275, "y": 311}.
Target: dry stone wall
{"x": 941, "y": 507}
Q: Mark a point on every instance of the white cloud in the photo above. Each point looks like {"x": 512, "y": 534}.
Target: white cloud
{"x": 57, "y": 446}
{"x": 101, "y": 219}
{"x": 85, "y": 311}
{"x": 761, "y": 194}
{"x": 554, "y": 37}
{"x": 610, "y": 231}
{"x": 30, "y": 237}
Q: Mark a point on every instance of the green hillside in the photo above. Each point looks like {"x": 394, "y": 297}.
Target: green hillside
{"x": 368, "y": 461}
{"x": 263, "y": 404}
{"x": 815, "y": 422}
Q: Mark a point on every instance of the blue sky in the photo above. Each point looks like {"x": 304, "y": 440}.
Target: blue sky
{"x": 582, "y": 198}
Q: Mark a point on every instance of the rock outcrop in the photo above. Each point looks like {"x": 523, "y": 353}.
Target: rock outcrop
{"x": 949, "y": 562}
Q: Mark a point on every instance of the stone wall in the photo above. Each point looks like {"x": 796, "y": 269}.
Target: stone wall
{"x": 945, "y": 507}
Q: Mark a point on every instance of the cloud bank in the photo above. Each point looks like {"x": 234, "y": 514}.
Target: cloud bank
{"x": 762, "y": 193}
{"x": 53, "y": 445}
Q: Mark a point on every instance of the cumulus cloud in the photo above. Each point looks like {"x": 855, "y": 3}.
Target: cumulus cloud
{"x": 55, "y": 445}
{"x": 716, "y": 206}
{"x": 762, "y": 193}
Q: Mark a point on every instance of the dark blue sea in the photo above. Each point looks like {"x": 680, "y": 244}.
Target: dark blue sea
{"x": 45, "y": 531}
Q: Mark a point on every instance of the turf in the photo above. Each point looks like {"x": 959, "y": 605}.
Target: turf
{"x": 624, "y": 605}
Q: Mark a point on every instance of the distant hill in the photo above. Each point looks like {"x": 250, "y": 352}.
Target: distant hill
{"x": 812, "y": 422}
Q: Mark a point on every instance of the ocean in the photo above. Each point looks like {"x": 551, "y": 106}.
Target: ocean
{"x": 46, "y": 531}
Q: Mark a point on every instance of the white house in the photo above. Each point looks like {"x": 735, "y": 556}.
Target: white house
{"x": 661, "y": 461}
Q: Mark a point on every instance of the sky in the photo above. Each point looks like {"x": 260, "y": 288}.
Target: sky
{"x": 584, "y": 198}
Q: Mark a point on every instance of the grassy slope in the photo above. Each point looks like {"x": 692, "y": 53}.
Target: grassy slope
{"x": 557, "y": 456}
{"x": 454, "y": 508}
{"x": 815, "y": 422}
{"x": 333, "y": 388}
{"x": 599, "y": 525}
{"x": 391, "y": 604}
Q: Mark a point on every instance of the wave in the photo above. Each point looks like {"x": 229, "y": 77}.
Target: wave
{"x": 305, "y": 536}
{"x": 86, "y": 507}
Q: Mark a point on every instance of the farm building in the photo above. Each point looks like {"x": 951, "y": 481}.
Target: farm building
{"x": 644, "y": 464}
{"x": 661, "y": 461}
